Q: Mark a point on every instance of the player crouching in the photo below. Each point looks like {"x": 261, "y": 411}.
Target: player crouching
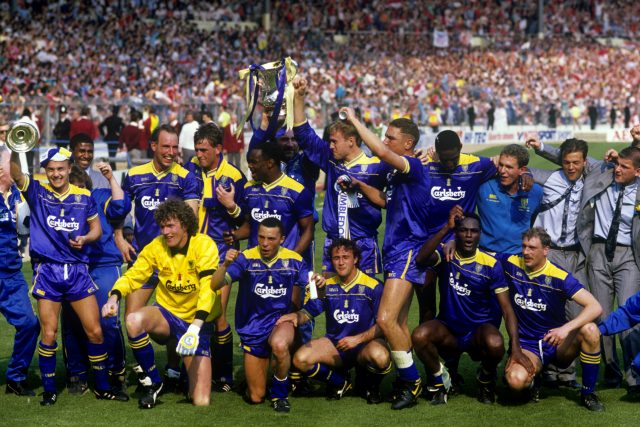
{"x": 539, "y": 292}
{"x": 185, "y": 261}
{"x": 350, "y": 303}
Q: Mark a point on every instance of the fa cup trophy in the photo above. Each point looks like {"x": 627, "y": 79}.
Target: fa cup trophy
{"x": 270, "y": 86}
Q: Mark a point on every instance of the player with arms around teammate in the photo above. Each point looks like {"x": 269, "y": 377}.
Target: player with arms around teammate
{"x": 350, "y": 305}
{"x": 539, "y": 291}
{"x": 468, "y": 284}
{"x": 64, "y": 219}
{"x": 185, "y": 304}
{"x": 271, "y": 284}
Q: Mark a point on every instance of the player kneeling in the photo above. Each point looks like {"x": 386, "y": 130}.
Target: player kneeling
{"x": 469, "y": 284}
{"x": 185, "y": 261}
{"x": 272, "y": 281}
{"x": 350, "y": 304}
{"x": 539, "y": 292}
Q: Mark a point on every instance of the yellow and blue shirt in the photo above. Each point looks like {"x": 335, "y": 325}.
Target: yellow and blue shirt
{"x": 458, "y": 187}
{"x": 56, "y": 218}
{"x": 148, "y": 188}
{"x": 213, "y": 218}
{"x": 350, "y": 308}
{"x": 284, "y": 199}
{"x": 184, "y": 276}
{"x": 538, "y": 297}
{"x": 104, "y": 251}
{"x": 364, "y": 219}
{"x": 265, "y": 290}
{"x": 467, "y": 290}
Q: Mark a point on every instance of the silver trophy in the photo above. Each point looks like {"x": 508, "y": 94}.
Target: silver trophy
{"x": 264, "y": 85}
{"x": 23, "y": 136}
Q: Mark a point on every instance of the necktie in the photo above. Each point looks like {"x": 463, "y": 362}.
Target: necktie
{"x": 565, "y": 212}
{"x": 612, "y": 237}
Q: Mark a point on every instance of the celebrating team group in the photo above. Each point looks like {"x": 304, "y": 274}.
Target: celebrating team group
{"x": 550, "y": 252}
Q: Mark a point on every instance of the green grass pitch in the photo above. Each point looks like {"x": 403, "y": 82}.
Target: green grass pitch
{"x": 558, "y": 407}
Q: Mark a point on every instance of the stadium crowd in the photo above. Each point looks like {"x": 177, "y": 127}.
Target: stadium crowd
{"x": 551, "y": 253}
{"x": 153, "y": 52}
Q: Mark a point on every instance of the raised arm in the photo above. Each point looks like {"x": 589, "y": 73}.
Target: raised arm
{"x": 16, "y": 171}
{"x": 371, "y": 140}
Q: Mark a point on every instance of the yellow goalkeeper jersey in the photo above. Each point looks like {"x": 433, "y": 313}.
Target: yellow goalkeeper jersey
{"x": 184, "y": 275}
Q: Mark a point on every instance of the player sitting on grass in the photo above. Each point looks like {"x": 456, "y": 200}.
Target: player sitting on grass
{"x": 350, "y": 303}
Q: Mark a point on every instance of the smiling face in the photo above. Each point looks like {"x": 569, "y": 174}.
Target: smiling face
{"x": 573, "y": 165}
{"x": 165, "y": 150}
{"x": 58, "y": 175}
{"x": 258, "y": 165}
{"x": 174, "y": 233}
{"x": 83, "y": 154}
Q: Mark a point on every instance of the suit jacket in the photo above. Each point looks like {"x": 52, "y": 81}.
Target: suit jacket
{"x": 598, "y": 177}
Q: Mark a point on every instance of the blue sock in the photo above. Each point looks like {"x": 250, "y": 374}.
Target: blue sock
{"x": 222, "y": 353}
{"x": 279, "y": 388}
{"x": 98, "y": 358}
{"x": 322, "y": 372}
{"x": 590, "y": 363}
{"x": 143, "y": 352}
{"x": 47, "y": 361}
{"x": 409, "y": 374}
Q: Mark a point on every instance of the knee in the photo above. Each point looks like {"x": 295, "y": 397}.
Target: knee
{"x": 380, "y": 358}
{"x": 280, "y": 348}
{"x": 384, "y": 322}
{"x": 94, "y": 334}
{"x": 49, "y": 335}
{"x": 517, "y": 378}
{"x": 495, "y": 344}
{"x": 133, "y": 322}
{"x": 590, "y": 334}
{"x": 420, "y": 335}
{"x": 301, "y": 360}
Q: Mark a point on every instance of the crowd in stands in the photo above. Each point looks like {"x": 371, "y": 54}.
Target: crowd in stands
{"x": 355, "y": 52}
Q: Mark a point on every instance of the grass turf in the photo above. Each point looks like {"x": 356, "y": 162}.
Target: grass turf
{"x": 557, "y": 406}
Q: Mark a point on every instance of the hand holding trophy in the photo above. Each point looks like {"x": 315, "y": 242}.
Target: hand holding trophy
{"x": 22, "y": 137}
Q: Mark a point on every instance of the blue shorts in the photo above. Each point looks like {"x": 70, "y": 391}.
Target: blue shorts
{"x": 400, "y": 263}
{"x": 545, "y": 351}
{"x": 350, "y": 357}
{"x": 256, "y": 347}
{"x": 369, "y": 255}
{"x": 178, "y": 327}
{"x": 62, "y": 282}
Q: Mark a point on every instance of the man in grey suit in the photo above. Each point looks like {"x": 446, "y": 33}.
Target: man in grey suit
{"x": 608, "y": 230}
{"x": 558, "y": 215}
